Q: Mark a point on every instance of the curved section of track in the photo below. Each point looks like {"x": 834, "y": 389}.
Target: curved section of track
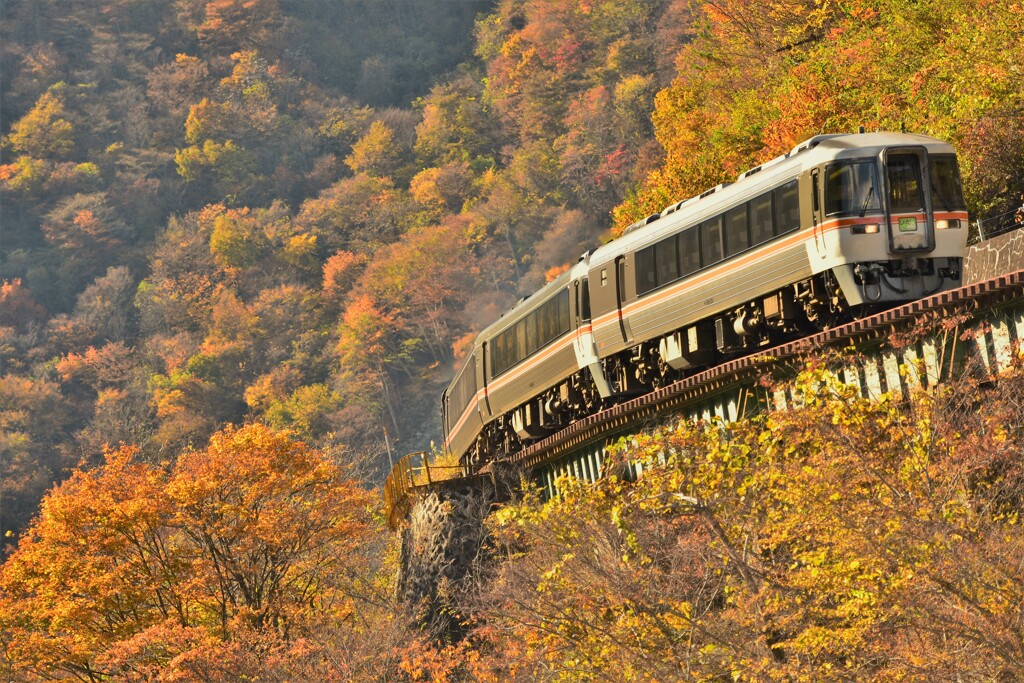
{"x": 744, "y": 370}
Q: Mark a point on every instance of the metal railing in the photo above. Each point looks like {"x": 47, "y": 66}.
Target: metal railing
{"x": 993, "y": 226}
{"x": 407, "y": 477}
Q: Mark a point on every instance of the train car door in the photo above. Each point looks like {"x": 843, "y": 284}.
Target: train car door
{"x": 485, "y": 358}
{"x": 621, "y": 273}
{"x": 908, "y": 210}
{"x": 816, "y": 218}
{"x": 583, "y": 344}
{"x": 446, "y": 427}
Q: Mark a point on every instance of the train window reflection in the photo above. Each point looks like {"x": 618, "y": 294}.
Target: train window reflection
{"x": 520, "y": 340}
{"x": 947, "y": 192}
{"x": 562, "y": 303}
{"x": 646, "y": 277}
{"x": 465, "y": 386}
{"x": 737, "y": 238}
{"x": 531, "y": 333}
{"x": 689, "y": 251}
{"x": 787, "y": 208}
{"x": 851, "y": 189}
{"x": 761, "y": 219}
{"x": 904, "y": 183}
{"x": 711, "y": 241}
{"x": 667, "y": 261}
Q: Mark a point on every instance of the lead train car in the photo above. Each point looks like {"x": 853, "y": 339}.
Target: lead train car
{"x": 841, "y": 225}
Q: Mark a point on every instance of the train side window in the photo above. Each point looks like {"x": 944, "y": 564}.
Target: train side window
{"x": 787, "y": 207}
{"x": 666, "y": 260}
{"x": 553, "y": 319}
{"x": 840, "y": 189}
{"x": 711, "y": 241}
{"x": 553, "y": 314}
{"x": 564, "y": 322}
{"x": 737, "y": 235}
{"x": 532, "y": 341}
{"x": 689, "y": 251}
{"x": 496, "y": 354}
{"x": 851, "y": 189}
{"x": 547, "y": 328}
{"x": 646, "y": 276}
{"x": 465, "y": 386}
{"x": 500, "y": 360}
{"x": 501, "y": 352}
{"x": 520, "y": 349}
{"x": 761, "y": 228}
{"x": 509, "y": 358}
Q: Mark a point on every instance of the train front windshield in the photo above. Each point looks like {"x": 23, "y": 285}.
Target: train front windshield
{"x": 851, "y": 189}
{"x": 904, "y": 174}
{"x": 947, "y": 191}
{"x": 906, "y": 189}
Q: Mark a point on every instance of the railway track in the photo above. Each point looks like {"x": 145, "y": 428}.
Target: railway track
{"x": 753, "y": 366}
{"x": 406, "y": 480}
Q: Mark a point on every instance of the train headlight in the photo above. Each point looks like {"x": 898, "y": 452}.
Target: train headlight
{"x": 869, "y": 229}
{"x": 951, "y": 224}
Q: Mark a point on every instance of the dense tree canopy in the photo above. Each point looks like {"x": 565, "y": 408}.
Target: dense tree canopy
{"x": 263, "y": 202}
{"x": 222, "y": 219}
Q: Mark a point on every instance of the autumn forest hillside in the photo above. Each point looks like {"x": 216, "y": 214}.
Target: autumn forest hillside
{"x": 263, "y": 232}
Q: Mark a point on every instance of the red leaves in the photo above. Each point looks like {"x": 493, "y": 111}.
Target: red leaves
{"x": 17, "y": 307}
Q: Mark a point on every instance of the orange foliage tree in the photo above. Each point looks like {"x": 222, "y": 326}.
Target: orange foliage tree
{"x": 761, "y": 77}
{"x": 18, "y": 309}
{"x": 238, "y": 549}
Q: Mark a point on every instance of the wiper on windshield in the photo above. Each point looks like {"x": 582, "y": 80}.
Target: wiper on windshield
{"x": 867, "y": 200}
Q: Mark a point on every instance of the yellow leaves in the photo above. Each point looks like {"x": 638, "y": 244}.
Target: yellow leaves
{"x": 377, "y": 153}
{"x": 824, "y": 526}
{"x": 206, "y": 121}
{"x": 300, "y": 250}
{"x": 24, "y": 175}
{"x": 235, "y": 240}
{"x": 44, "y": 131}
{"x": 554, "y": 574}
{"x": 228, "y": 162}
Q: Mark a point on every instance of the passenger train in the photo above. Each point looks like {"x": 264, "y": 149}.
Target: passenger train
{"x": 840, "y": 226}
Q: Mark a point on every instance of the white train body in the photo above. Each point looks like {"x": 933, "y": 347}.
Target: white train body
{"x": 839, "y": 226}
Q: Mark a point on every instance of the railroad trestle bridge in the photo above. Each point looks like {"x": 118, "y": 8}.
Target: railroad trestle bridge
{"x": 440, "y": 509}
